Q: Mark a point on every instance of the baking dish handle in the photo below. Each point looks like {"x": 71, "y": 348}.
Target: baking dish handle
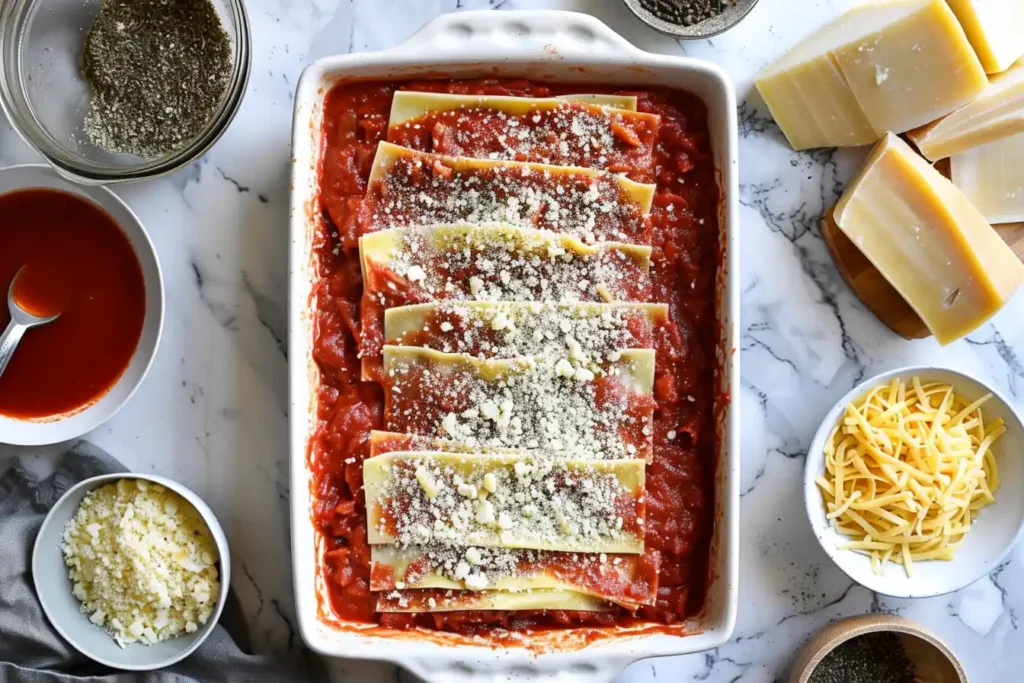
{"x": 465, "y": 36}
{"x": 599, "y": 669}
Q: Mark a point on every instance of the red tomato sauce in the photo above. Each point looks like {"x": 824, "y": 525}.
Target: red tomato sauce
{"x": 81, "y": 265}
{"x": 679, "y": 480}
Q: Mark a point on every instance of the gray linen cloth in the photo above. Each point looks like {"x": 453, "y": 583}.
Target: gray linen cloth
{"x": 32, "y": 652}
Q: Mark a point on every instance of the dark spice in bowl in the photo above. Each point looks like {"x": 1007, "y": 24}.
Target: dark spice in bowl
{"x": 685, "y": 12}
{"x": 877, "y": 657}
{"x": 158, "y": 70}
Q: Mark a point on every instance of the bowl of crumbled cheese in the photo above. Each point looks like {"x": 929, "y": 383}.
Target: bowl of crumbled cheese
{"x": 132, "y": 570}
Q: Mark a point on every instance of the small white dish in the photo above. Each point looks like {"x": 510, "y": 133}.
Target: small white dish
{"x": 62, "y": 608}
{"x": 58, "y": 428}
{"x": 993, "y": 533}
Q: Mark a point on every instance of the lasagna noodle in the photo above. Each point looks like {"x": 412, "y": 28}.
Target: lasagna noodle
{"x": 409, "y": 187}
{"x": 505, "y": 501}
{"x": 626, "y": 580}
{"x": 410, "y": 601}
{"x": 464, "y": 262}
{"x": 546, "y": 130}
{"x": 488, "y": 329}
{"x": 601, "y": 411}
{"x": 408, "y": 105}
{"x": 382, "y": 442}
{"x": 627, "y": 102}
{"x": 439, "y": 241}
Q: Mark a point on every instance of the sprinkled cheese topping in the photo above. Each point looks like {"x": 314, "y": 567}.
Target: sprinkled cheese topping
{"x": 511, "y": 329}
{"x": 498, "y": 263}
{"x": 571, "y": 134}
{"x": 426, "y": 189}
{"x": 142, "y": 562}
{"x": 627, "y": 579}
{"x": 531, "y": 403}
{"x": 556, "y": 505}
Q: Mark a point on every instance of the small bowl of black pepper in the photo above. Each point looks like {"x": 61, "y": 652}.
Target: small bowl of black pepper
{"x": 876, "y": 648}
{"x": 111, "y": 91}
{"x": 691, "y": 19}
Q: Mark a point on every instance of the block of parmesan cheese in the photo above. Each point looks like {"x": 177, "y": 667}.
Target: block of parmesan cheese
{"x": 928, "y": 240}
{"x": 992, "y": 177}
{"x": 885, "y": 66}
{"x": 997, "y": 113}
{"x": 995, "y": 29}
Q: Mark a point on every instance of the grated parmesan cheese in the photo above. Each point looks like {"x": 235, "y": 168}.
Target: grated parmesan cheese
{"x": 539, "y": 504}
{"x": 143, "y": 562}
{"x": 512, "y": 329}
{"x": 429, "y": 189}
{"x": 530, "y": 405}
{"x": 572, "y": 134}
{"x": 497, "y": 262}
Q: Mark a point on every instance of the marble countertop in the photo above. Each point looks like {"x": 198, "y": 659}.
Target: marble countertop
{"x": 213, "y": 411}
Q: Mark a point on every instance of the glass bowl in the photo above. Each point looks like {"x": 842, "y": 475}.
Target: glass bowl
{"x": 46, "y": 99}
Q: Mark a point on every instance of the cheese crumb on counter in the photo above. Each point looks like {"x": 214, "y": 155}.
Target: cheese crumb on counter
{"x": 143, "y": 562}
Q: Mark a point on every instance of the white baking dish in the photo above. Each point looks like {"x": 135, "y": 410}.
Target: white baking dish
{"x": 551, "y": 46}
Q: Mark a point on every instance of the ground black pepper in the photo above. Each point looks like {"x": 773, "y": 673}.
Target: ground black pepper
{"x": 685, "y": 12}
{"x": 158, "y": 70}
{"x": 870, "y": 658}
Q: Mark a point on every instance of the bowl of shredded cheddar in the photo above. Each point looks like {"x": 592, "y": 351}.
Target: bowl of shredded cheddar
{"x": 914, "y": 483}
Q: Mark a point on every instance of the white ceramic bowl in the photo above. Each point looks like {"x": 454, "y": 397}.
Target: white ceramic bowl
{"x": 63, "y": 609}
{"x": 59, "y": 428}
{"x": 994, "y": 531}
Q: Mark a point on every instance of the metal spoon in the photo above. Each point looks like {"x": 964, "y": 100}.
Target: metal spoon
{"x": 21, "y": 321}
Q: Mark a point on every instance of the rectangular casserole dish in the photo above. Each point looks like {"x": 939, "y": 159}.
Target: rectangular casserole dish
{"x": 543, "y": 46}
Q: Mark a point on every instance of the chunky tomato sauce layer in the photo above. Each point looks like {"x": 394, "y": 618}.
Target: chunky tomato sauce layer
{"x": 679, "y": 480}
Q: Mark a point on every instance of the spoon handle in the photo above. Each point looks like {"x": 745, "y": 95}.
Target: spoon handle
{"x": 8, "y": 342}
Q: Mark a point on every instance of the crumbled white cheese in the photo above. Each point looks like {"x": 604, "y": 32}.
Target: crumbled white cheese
{"x": 142, "y": 562}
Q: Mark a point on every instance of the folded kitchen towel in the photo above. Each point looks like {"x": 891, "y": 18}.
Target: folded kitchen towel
{"x": 31, "y": 651}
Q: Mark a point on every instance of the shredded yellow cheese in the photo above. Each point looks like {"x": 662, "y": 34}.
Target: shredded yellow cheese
{"x": 906, "y": 470}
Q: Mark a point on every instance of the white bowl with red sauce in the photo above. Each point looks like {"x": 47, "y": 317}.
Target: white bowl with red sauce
{"x": 70, "y": 376}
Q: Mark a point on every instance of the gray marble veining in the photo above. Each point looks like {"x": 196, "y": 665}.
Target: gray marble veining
{"x": 213, "y": 411}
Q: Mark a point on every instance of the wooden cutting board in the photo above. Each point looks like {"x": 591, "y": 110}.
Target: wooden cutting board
{"x": 868, "y": 283}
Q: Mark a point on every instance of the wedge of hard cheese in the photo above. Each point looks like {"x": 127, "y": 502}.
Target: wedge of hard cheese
{"x": 928, "y": 240}
{"x": 992, "y": 177}
{"x": 997, "y": 113}
{"x": 505, "y": 501}
{"x": 995, "y": 29}
{"x": 885, "y": 66}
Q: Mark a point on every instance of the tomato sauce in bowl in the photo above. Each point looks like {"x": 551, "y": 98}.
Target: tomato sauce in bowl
{"x": 78, "y": 262}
